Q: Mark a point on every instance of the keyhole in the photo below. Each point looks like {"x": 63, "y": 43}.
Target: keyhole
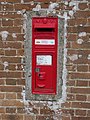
{"x": 39, "y": 75}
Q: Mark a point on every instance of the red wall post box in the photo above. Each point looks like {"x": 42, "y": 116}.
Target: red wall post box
{"x": 44, "y": 55}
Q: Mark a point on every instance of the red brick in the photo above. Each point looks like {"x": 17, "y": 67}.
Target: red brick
{"x": 88, "y": 21}
{"x": 14, "y": 1}
{"x": 71, "y": 67}
{"x": 1, "y": 43}
{"x": 7, "y": 7}
{"x": 20, "y": 52}
{"x": 10, "y": 95}
{"x": 66, "y": 117}
{"x": 29, "y": 117}
{"x": 10, "y": 81}
{"x": 10, "y": 15}
{"x": 23, "y": 6}
{"x": 80, "y": 90}
{"x": 7, "y": 22}
{"x": 81, "y": 97}
{"x": 10, "y": 74}
{"x": 39, "y": 117}
{"x": 10, "y": 52}
{"x": 13, "y": 103}
{"x": 88, "y": 97}
{"x": 82, "y": 14}
{"x": 82, "y": 61}
{"x": 71, "y": 22}
{"x": 1, "y": 52}
{"x": 68, "y": 111}
{"x": 12, "y": 117}
{"x": 19, "y": 96}
{"x": 1, "y": 67}
{"x": 39, "y": 1}
{"x": 88, "y": 113}
{"x": 70, "y": 97}
{"x": 80, "y": 112}
{"x": 2, "y": 110}
{"x": 83, "y": 6}
{"x": 72, "y": 29}
{"x": 1, "y": 95}
{"x": 80, "y": 76}
{"x": 21, "y": 82}
{"x": 18, "y": 22}
{"x": 81, "y": 21}
{"x": 46, "y": 110}
{"x": 15, "y": 45}
{"x": 82, "y": 68}
{"x": 20, "y": 110}
{"x": 72, "y": 37}
{"x": 12, "y": 67}
{"x": 66, "y": 105}
{"x": 11, "y": 89}
{"x": 80, "y": 105}
{"x": 2, "y": 81}
{"x": 81, "y": 83}
{"x": 80, "y": 118}
{"x": 71, "y": 83}
{"x": 11, "y": 59}
{"x": 10, "y": 110}
{"x": 11, "y": 29}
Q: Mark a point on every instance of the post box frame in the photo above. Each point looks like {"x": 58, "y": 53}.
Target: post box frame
{"x": 28, "y": 59}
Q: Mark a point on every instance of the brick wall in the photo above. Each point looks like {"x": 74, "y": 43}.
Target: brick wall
{"x": 13, "y": 105}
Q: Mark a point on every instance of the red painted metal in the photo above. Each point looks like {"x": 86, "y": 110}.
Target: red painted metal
{"x": 44, "y": 55}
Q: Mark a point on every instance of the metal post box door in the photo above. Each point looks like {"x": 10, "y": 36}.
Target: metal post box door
{"x": 44, "y": 55}
{"x": 45, "y": 73}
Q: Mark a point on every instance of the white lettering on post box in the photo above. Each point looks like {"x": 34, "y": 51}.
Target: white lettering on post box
{"x": 44, "y": 42}
{"x": 44, "y": 60}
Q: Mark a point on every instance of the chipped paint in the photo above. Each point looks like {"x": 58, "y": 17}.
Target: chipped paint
{"x": 71, "y": 12}
{"x": 14, "y": 35}
{"x": 4, "y": 35}
{"x": 79, "y": 56}
{"x": 73, "y": 57}
{"x": 22, "y": 1}
{"x": 82, "y": 34}
{"x": 37, "y": 8}
{"x": 6, "y": 64}
{"x": 79, "y": 41}
{"x": 88, "y": 57}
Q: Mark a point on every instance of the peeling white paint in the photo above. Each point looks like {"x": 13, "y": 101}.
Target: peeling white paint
{"x": 24, "y": 100}
{"x": 14, "y": 35}
{"x": 22, "y": 1}
{"x": 82, "y": 34}
{"x": 6, "y": 64}
{"x": 37, "y": 8}
{"x": 16, "y": 67}
{"x": 88, "y": 57}
{"x": 71, "y": 12}
{"x": 6, "y": 19}
{"x": 66, "y": 3}
{"x": 4, "y": 35}
{"x": 19, "y": 12}
{"x": 79, "y": 56}
{"x": 73, "y": 57}
{"x": 79, "y": 41}
{"x": 32, "y": 2}
{"x": 52, "y": 6}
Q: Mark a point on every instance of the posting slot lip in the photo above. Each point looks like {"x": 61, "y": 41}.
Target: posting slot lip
{"x": 44, "y": 30}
